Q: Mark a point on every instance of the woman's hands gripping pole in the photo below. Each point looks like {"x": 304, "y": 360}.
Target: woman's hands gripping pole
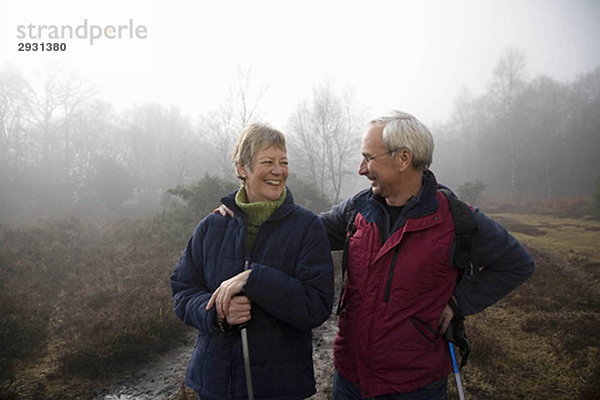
{"x": 229, "y": 306}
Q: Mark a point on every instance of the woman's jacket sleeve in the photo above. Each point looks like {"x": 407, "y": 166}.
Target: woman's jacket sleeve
{"x": 188, "y": 285}
{"x": 304, "y": 300}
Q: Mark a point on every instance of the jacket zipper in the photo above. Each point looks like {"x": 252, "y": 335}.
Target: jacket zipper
{"x": 388, "y": 286}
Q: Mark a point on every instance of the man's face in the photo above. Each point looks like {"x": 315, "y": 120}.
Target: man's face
{"x": 377, "y": 165}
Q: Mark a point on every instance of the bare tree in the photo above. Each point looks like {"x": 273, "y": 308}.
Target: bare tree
{"x": 160, "y": 149}
{"x": 583, "y": 124}
{"x": 74, "y": 94}
{"x": 324, "y": 137}
{"x": 62, "y": 98}
{"x": 15, "y": 118}
{"x": 236, "y": 111}
{"x": 543, "y": 114}
{"x": 507, "y": 84}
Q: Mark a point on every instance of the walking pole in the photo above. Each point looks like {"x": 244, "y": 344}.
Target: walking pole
{"x": 246, "y": 353}
{"x": 461, "y": 393}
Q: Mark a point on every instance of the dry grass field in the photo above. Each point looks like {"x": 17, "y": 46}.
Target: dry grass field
{"x": 543, "y": 340}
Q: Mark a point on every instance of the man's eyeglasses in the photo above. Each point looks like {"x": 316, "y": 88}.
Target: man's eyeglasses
{"x": 368, "y": 158}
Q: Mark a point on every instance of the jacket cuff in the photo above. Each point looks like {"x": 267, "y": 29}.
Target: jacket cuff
{"x": 221, "y": 324}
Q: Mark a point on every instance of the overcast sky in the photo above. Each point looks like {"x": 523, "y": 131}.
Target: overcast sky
{"x": 410, "y": 55}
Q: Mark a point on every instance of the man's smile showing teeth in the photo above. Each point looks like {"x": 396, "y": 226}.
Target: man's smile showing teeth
{"x": 273, "y": 182}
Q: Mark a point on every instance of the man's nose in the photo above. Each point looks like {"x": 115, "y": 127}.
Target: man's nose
{"x": 363, "y": 169}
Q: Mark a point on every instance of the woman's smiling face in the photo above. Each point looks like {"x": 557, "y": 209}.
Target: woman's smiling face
{"x": 266, "y": 179}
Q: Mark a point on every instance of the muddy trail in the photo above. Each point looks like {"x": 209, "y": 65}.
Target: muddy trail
{"x": 158, "y": 380}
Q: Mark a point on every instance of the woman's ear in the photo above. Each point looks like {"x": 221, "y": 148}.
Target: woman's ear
{"x": 242, "y": 171}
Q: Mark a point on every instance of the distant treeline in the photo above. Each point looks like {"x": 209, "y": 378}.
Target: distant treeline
{"x": 524, "y": 138}
{"x": 63, "y": 149}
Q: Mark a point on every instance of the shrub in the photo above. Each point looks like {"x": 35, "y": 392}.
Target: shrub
{"x": 92, "y": 298}
{"x": 574, "y": 206}
{"x": 186, "y": 205}
{"x": 124, "y": 313}
{"x": 23, "y": 329}
{"x": 471, "y": 192}
{"x": 308, "y": 195}
{"x": 35, "y": 262}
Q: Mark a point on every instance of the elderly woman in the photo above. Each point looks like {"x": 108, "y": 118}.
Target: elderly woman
{"x": 268, "y": 268}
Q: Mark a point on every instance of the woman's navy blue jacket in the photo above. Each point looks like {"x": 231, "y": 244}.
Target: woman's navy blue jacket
{"x": 291, "y": 288}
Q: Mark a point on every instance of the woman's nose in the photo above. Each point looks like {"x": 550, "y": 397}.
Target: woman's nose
{"x": 277, "y": 169}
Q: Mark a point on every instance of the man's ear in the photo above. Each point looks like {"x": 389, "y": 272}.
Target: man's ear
{"x": 406, "y": 158}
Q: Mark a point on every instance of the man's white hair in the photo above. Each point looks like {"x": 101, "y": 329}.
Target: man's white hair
{"x": 403, "y": 131}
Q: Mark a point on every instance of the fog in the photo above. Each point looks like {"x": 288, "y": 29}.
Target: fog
{"x": 118, "y": 118}
{"x": 148, "y": 96}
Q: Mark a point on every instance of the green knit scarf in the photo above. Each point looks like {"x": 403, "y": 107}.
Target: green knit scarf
{"x": 257, "y": 212}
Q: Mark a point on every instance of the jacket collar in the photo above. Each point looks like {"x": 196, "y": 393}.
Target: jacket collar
{"x": 425, "y": 202}
{"x": 372, "y": 206}
{"x": 285, "y": 209}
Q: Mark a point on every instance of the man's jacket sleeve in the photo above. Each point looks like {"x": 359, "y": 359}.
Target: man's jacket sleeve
{"x": 335, "y": 222}
{"x": 305, "y": 299}
{"x": 505, "y": 265}
{"x": 188, "y": 285}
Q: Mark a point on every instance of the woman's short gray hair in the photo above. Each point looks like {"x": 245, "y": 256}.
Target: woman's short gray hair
{"x": 254, "y": 138}
{"x": 403, "y": 131}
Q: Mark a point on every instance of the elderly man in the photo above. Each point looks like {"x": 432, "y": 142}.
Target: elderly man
{"x": 395, "y": 305}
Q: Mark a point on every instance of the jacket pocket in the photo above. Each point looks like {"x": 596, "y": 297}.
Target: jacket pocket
{"x": 425, "y": 330}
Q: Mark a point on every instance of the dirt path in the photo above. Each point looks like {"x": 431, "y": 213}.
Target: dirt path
{"x": 158, "y": 380}
{"x": 323, "y": 338}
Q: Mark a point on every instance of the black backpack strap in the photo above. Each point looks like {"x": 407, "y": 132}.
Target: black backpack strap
{"x": 350, "y": 230}
{"x": 464, "y": 256}
{"x": 465, "y": 247}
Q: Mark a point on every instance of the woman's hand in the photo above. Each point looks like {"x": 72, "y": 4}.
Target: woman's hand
{"x": 239, "y": 310}
{"x": 224, "y": 294}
